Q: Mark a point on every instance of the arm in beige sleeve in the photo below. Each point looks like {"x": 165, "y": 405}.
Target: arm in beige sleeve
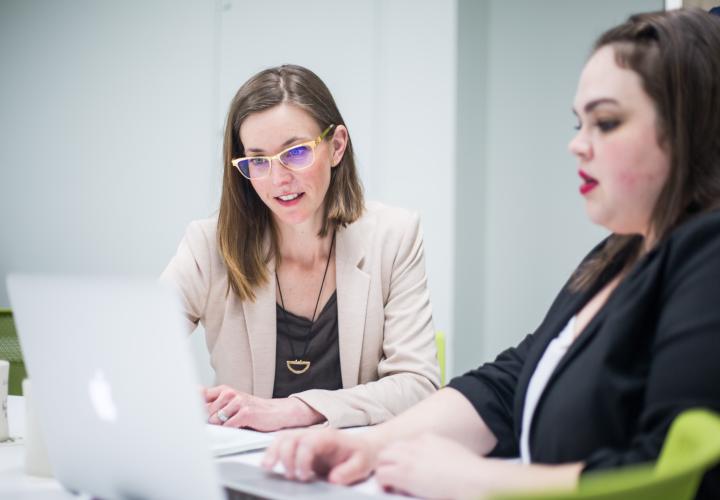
{"x": 188, "y": 272}
{"x": 408, "y": 371}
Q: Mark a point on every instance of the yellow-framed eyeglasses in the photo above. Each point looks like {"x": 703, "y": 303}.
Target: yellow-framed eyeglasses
{"x": 294, "y": 158}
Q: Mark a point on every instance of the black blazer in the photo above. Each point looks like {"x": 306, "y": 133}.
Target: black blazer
{"x": 651, "y": 351}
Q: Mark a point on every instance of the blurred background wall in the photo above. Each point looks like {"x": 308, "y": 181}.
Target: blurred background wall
{"x": 111, "y": 119}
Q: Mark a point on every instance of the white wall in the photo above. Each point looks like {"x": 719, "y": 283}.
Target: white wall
{"x": 112, "y": 112}
{"x": 106, "y": 139}
{"x": 390, "y": 65}
{"x": 112, "y": 116}
{"x": 530, "y": 222}
{"x": 106, "y": 134}
{"x": 470, "y": 190}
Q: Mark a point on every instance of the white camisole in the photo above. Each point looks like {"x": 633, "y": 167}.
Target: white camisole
{"x": 544, "y": 369}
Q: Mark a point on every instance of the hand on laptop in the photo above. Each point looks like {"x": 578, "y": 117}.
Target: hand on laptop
{"x": 231, "y": 408}
{"x": 344, "y": 458}
{"x": 428, "y": 465}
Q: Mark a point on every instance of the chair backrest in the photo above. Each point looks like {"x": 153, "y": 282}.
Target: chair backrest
{"x": 10, "y": 351}
{"x": 440, "y": 344}
{"x": 691, "y": 448}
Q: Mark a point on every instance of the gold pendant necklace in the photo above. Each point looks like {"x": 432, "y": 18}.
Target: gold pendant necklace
{"x": 298, "y": 366}
{"x": 291, "y": 365}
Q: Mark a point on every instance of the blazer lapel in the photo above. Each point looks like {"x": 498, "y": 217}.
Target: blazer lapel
{"x": 353, "y": 285}
{"x": 595, "y": 323}
{"x": 547, "y": 331}
{"x": 588, "y": 333}
{"x": 552, "y": 330}
{"x": 260, "y": 321}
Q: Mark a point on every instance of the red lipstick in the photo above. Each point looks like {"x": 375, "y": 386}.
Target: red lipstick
{"x": 588, "y": 184}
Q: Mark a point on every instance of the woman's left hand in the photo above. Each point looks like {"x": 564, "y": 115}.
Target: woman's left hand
{"x": 432, "y": 467}
{"x": 239, "y": 409}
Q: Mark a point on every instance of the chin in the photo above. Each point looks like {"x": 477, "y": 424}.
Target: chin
{"x": 595, "y": 216}
{"x": 292, "y": 219}
{"x": 613, "y": 226}
{"x": 300, "y": 215}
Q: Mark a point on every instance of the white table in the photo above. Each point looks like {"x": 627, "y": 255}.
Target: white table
{"x": 16, "y": 484}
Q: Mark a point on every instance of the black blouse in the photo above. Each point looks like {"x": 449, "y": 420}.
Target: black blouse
{"x": 649, "y": 353}
{"x": 323, "y": 350}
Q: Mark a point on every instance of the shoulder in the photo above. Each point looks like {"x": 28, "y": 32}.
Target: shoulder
{"x": 202, "y": 228}
{"x": 201, "y": 235}
{"x": 381, "y": 234}
{"x": 704, "y": 227}
{"x": 193, "y": 267}
{"x": 388, "y": 227}
{"x": 201, "y": 239}
{"x": 697, "y": 238}
{"x": 388, "y": 218}
{"x": 688, "y": 261}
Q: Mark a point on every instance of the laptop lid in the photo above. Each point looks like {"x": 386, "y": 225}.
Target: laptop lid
{"x": 114, "y": 387}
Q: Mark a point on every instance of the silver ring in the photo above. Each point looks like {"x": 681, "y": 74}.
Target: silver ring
{"x": 221, "y": 416}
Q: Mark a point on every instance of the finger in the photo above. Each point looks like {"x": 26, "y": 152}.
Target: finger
{"x": 213, "y": 416}
{"x": 215, "y": 405}
{"x": 239, "y": 416}
{"x": 287, "y": 456}
{"x": 272, "y": 452}
{"x": 393, "y": 477}
{"x": 211, "y": 393}
{"x": 352, "y": 470}
{"x": 214, "y": 419}
{"x": 228, "y": 412}
{"x": 221, "y": 392}
{"x": 304, "y": 458}
{"x": 321, "y": 448}
{"x": 223, "y": 400}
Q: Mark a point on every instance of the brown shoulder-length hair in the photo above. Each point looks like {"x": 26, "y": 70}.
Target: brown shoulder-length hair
{"x": 677, "y": 56}
{"x": 245, "y": 224}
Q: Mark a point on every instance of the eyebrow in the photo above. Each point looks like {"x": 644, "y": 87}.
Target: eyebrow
{"x": 282, "y": 146}
{"x": 596, "y": 102}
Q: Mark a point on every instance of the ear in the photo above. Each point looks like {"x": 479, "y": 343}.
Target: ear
{"x": 338, "y": 143}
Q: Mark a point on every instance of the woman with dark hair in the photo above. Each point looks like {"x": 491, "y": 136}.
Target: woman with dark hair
{"x": 315, "y": 305}
{"x": 631, "y": 341}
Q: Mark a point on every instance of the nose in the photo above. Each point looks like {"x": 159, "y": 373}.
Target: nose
{"x": 279, "y": 174}
{"x": 580, "y": 146}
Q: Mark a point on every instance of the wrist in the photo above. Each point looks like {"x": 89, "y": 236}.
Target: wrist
{"x": 302, "y": 414}
{"x": 376, "y": 439}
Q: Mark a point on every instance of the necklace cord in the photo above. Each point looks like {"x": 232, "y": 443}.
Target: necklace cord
{"x": 317, "y": 302}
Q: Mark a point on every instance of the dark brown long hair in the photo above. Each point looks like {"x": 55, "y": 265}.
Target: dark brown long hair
{"x": 245, "y": 224}
{"x": 677, "y": 56}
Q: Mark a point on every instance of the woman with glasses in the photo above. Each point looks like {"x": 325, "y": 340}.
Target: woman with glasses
{"x": 630, "y": 342}
{"x": 314, "y": 303}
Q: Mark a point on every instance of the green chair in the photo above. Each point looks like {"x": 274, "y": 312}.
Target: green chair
{"x": 440, "y": 344}
{"x": 691, "y": 448}
{"x": 10, "y": 351}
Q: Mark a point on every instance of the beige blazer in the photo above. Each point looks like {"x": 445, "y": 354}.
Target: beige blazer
{"x": 388, "y": 358}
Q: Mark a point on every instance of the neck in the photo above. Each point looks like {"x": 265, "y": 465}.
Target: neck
{"x": 649, "y": 240}
{"x": 301, "y": 244}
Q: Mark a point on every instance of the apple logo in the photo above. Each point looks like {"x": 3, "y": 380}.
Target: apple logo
{"x": 101, "y": 397}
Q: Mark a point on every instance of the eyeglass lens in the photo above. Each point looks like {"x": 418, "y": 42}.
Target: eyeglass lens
{"x": 294, "y": 158}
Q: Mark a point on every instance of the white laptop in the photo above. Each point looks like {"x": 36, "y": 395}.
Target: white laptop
{"x": 115, "y": 389}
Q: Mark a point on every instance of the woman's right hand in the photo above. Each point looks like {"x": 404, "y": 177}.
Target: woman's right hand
{"x": 344, "y": 458}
